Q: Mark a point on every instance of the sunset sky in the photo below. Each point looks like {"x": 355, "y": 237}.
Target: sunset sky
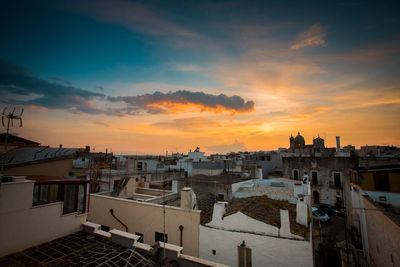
{"x": 150, "y": 76}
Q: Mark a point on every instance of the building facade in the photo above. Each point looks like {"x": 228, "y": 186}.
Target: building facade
{"x": 325, "y": 168}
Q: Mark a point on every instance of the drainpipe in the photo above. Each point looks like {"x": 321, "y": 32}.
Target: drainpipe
{"x": 112, "y": 214}
{"x": 181, "y": 229}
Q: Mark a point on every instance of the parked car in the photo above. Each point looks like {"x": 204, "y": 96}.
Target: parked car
{"x": 319, "y": 215}
{"x": 328, "y": 209}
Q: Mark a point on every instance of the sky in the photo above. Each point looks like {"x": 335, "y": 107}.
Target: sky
{"x": 146, "y": 77}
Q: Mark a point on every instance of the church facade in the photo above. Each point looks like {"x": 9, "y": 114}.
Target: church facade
{"x": 325, "y": 168}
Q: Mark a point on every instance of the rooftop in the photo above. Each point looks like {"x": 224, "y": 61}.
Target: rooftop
{"x": 267, "y": 210}
{"x": 78, "y": 249}
{"x": 13, "y": 139}
{"x": 229, "y": 178}
{"x": 26, "y": 155}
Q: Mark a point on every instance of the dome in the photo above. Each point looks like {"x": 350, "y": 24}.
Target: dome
{"x": 299, "y": 139}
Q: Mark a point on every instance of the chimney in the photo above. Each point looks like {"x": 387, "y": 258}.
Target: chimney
{"x": 338, "y": 143}
{"x": 87, "y": 149}
{"x": 60, "y": 145}
{"x": 188, "y": 198}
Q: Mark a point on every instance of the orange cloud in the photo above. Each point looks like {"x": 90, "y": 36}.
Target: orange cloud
{"x": 184, "y": 101}
{"x": 175, "y": 108}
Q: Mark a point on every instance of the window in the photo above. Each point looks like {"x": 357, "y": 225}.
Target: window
{"x": 140, "y": 166}
{"x": 160, "y": 166}
{"x": 141, "y": 237}
{"x": 221, "y": 197}
{"x": 43, "y": 193}
{"x": 314, "y": 176}
{"x": 160, "y": 237}
{"x": 53, "y": 193}
{"x": 69, "y": 198}
{"x": 73, "y": 196}
{"x": 35, "y": 194}
{"x": 296, "y": 175}
{"x": 81, "y": 198}
{"x": 336, "y": 177}
{"x": 381, "y": 180}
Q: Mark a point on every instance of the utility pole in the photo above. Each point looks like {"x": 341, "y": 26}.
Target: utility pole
{"x": 164, "y": 241}
{"x": 345, "y": 226}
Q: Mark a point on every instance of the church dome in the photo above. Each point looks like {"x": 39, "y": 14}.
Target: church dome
{"x": 299, "y": 139}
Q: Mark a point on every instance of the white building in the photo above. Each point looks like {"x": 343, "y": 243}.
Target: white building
{"x": 138, "y": 210}
{"x": 32, "y": 212}
{"x": 271, "y": 245}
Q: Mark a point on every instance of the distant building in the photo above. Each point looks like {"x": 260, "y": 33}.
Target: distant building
{"x": 325, "y": 168}
{"x": 348, "y": 148}
{"x": 298, "y": 145}
{"x": 379, "y": 151}
{"x": 222, "y": 187}
{"x": 268, "y": 161}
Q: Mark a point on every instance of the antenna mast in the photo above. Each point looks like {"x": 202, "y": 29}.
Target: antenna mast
{"x": 10, "y": 116}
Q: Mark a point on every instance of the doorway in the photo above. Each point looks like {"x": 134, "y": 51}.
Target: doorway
{"x": 316, "y": 197}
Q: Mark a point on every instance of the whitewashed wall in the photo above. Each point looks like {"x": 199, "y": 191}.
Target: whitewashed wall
{"x": 266, "y": 251}
{"x": 23, "y": 226}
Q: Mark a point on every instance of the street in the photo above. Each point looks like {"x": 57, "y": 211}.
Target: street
{"x": 325, "y": 237}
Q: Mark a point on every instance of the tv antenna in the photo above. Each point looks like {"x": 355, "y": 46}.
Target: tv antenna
{"x": 10, "y": 116}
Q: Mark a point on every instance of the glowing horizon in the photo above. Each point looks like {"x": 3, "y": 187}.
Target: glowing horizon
{"x": 147, "y": 78}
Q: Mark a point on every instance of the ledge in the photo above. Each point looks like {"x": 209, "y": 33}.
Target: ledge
{"x": 170, "y": 247}
{"x": 123, "y": 238}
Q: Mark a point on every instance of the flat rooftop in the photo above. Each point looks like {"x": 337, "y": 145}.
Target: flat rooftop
{"x": 229, "y": 178}
{"x": 267, "y": 210}
{"x": 78, "y": 249}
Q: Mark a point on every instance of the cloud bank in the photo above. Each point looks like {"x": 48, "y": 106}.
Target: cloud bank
{"x": 179, "y": 101}
{"x": 19, "y": 86}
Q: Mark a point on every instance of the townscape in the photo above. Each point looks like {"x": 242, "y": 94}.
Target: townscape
{"x": 66, "y": 206}
{"x": 200, "y": 133}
